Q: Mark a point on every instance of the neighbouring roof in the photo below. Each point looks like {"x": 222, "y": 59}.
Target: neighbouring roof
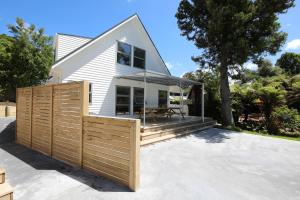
{"x": 102, "y": 34}
{"x": 72, "y": 35}
{"x": 159, "y": 78}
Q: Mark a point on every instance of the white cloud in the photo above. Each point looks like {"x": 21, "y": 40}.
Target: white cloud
{"x": 293, "y": 45}
{"x": 169, "y": 65}
{"x": 172, "y": 65}
{"x": 250, "y": 65}
{"x": 288, "y": 25}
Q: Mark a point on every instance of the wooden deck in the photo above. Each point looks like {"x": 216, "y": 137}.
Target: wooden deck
{"x": 166, "y": 128}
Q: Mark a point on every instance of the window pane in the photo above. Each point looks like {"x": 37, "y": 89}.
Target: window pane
{"x": 123, "y": 90}
{"x": 122, "y": 110}
{"x": 139, "y": 58}
{"x": 139, "y": 63}
{"x": 123, "y": 100}
{"x": 90, "y": 92}
{"x": 138, "y": 91}
{"x": 140, "y": 53}
{"x": 123, "y": 59}
{"x": 138, "y": 99}
{"x": 124, "y": 48}
{"x": 162, "y": 99}
{"x": 90, "y": 97}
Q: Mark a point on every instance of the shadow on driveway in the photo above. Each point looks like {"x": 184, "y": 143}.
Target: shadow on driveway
{"x": 213, "y": 135}
{"x": 42, "y": 162}
{"x": 7, "y": 129}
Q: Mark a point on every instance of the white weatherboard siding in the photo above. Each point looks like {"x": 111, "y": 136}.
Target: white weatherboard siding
{"x": 67, "y": 43}
{"x": 97, "y": 64}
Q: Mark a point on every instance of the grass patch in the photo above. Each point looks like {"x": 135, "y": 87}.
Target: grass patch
{"x": 237, "y": 129}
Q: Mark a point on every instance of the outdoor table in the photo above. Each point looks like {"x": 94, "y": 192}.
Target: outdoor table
{"x": 155, "y": 112}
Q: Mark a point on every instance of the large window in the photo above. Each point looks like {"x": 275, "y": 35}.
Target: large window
{"x": 90, "y": 92}
{"x": 139, "y": 58}
{"x": 124, "y": 54}
{"x": 162, "y": 99}
{"x": 138, "y": 99}
{"x": 122, "y": 100}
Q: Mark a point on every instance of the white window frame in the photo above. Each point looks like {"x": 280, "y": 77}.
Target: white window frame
{"x": 117, "y": 50}
{"x": 130, "y": 99}
{"x": 132, "y": 56}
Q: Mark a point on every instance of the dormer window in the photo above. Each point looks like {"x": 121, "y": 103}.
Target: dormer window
{"x": 139, "y": 58}
{"x": 124, "y": 53}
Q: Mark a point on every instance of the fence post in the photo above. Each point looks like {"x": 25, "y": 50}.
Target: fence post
{"x": 51, "y": 137}
{"x": 134, "y": 169}
{"x": 84, "y": 111}
{"x": 31, "y": 112}
{"x": 16, "y": 124}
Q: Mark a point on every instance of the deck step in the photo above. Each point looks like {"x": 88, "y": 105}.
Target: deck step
{"x": 175, "y": 129}
{"x": 2, "y": 175}
{"x": 172, "y": 135}
{"x": 6, "y": 192}
{"x": 171, "y": 125}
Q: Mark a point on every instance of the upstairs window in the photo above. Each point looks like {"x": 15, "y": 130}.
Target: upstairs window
{"x": 139, "y": 58}
{"x": 124, "y": 54}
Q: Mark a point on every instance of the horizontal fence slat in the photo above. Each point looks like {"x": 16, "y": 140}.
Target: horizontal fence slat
{"x": 107, "y": 148}
{"x": 53, "y": 120}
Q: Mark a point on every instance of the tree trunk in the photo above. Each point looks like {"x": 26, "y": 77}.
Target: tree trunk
{"x": 225, "y": 96}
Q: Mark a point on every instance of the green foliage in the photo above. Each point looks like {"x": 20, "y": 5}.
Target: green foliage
{"x": 235, "y": 30}
{"x": 231, "y": 32}
{"x": 28, "y": 58}
{"x": 266, "y": 69}
{"x": 246, "y": 75}
{"x": 243, "y": 98}
{"x": 293, "y": 91}
{"x": 290, "y": 62}
{"x": 271, "y": 98}
{"x": 6, "y": 46}
{"x": 287, "y": 119}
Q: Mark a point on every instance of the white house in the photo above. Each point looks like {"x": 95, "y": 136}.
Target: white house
{"x": 118, "y": 64}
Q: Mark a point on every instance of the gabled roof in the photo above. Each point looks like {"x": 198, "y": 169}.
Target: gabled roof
{"x": 75, "y": 51}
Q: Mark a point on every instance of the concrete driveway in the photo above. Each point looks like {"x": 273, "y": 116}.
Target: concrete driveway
{"x": 212, "y": 164}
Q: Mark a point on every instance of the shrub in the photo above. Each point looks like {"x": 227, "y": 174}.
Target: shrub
{"x": 271, "y": 98}
{"x": 287, "y": 120}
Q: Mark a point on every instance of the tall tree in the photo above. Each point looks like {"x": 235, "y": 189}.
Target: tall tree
{"x": 231, "y": 32}
{"x": 289, "y": 62}
{"x": 29, "y": 58}
{"x": 6, "y": 46}
{"x": 265, "y": 68}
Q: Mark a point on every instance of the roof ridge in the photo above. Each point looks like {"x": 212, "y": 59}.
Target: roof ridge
{"x": 72, "y": 35}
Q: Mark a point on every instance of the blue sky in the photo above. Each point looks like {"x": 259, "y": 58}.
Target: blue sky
{"x": 91, "y": 17}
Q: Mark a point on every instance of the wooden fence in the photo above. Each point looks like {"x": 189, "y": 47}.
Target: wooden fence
{"x": 110, "y": 148}
{"x": 53, "y": 119}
